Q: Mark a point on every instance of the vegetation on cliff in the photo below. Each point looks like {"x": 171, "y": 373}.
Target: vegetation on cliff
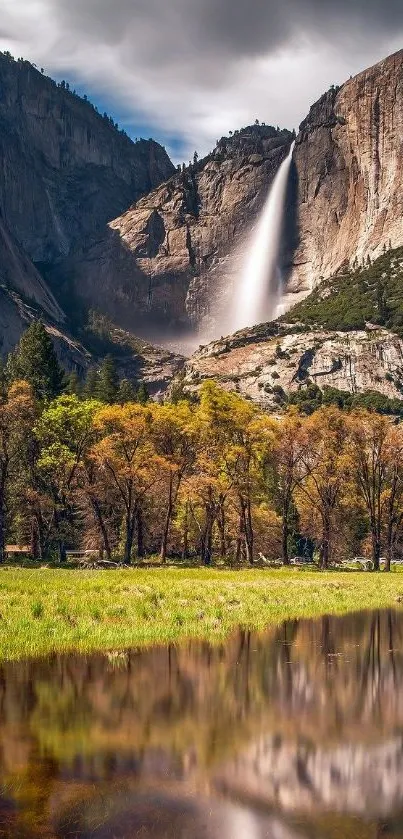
{"x": 370, "y": 293}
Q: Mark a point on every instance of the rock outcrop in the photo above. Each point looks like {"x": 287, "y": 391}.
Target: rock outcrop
{"x": 164, "y": 262}
{"x": 23, "y": 293}
{"x": 65, "y": 170}
{"x": 262, "y": 362}
{"x": 348, "y": 175}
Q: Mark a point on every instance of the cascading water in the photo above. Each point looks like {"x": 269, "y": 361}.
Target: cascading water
{"x": 258, "y": 293}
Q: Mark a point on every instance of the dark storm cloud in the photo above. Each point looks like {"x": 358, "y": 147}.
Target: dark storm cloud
{"x": 241, "y": 28}
{"x": 197, "y": 68}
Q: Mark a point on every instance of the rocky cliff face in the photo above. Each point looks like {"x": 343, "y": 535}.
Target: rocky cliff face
{"x": 163, "y": 263}
{"x": 23, "y": 293}
{"x": 65, "y": 170}
{"x": 348, "y": 175}
{"x": 171, "y": 259}
{"x": 260, "y": 363}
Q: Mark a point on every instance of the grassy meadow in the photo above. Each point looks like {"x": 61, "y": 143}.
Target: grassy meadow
{"x": 47, "y": 610}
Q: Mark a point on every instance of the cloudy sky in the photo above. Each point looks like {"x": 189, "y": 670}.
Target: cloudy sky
{"x": 188, "y": 71}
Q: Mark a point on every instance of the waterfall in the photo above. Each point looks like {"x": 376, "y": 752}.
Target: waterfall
{"x": 258, "y": 292}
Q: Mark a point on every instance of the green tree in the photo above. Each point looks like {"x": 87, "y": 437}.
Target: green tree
{"x": 35, "y": 361}
{"x": 126, "y": 393}
{"x": 108, "y": 381}
{"x": 142, "y": 394}
{"x": 65, "y": 433}
{"x": 91, "y": 383}
{"x": 74, "y": 384}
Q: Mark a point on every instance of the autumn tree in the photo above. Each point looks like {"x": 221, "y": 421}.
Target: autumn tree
{"x": 128, "y": 461}
{"x": 233, "y": 439}
{"x": 174, "y": 438}
{"x": 286, "y": 460}
{"x": 17, "y": 417}
{"x": 369, "y": 451}
{"x": 392, "y": 500}
{"x": 324, "y": 469}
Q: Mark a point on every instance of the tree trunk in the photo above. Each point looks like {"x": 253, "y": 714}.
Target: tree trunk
{"x": 206, "y": 540}
{"x": 376, "y": 548}
{"x": 238, "y": 551}
{"x": 140, "y": 533}
{"x": 61, "y": 549}
{"x": 127, "y": 556}
{"x": 185, "y": 543}
{"x": 246, "y": 519}
{"x": 168, "y": 516}
{"x": 2, "y": 533}
{"x": 3, "y": 513}
{"x": 325, "y": 546}
{"x": 284, "y": 534}
{"x": 102, "y": 528}
{"x": 35, "y": 541}
{"x": 249, "y": 533}
{"x": 221, "y": 528}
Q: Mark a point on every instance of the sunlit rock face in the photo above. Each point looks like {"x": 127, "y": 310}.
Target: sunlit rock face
{"x": 65, "y": 170}
{"x": 348, "y": 175}
{"x": 168, "y": 261}
{"x": 257, "y": 362}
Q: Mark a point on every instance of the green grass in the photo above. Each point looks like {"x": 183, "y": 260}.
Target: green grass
{"x": 45, "y": 610}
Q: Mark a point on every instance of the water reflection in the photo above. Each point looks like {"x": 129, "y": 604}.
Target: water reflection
{"x": 296, "y": 733}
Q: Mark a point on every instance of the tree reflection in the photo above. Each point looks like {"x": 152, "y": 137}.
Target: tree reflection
{"x": 292, "y": 718}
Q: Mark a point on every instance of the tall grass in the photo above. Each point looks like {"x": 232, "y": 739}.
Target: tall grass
{"x": 45, "y": 610}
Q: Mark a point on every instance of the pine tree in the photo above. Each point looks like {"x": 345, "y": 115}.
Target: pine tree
{"x": 108, "y": 381}
{"x": 91, "y": 384}
{"x": 73, "y": 384}
{"x": 35, "y": 361}
{"x": 126, "y": 392}
{"x": 142, "y": 394}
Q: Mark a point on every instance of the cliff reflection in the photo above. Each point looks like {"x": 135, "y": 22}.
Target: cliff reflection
{"x": 298, "y": 732}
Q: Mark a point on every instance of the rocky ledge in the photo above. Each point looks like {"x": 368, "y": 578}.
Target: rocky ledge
{"x": 263, "y": 362}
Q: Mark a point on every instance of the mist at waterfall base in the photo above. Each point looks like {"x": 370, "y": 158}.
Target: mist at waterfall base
{"x": 258, "y": 292}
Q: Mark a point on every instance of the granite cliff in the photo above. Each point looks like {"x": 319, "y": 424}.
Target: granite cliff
{"x": 170, "y": 260}
{"x": 163, "y": 263}
{"x": 65, "y": 170}
{"x": 348, "y": 164}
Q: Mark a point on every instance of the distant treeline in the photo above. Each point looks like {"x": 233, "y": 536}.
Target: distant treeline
{"x": 212, "y": 478}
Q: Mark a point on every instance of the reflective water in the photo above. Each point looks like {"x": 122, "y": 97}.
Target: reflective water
{"x": 296, "y": 733}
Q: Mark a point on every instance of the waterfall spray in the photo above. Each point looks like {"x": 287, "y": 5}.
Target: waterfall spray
{"x": 258, "y": 293}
